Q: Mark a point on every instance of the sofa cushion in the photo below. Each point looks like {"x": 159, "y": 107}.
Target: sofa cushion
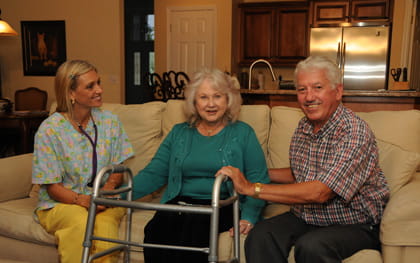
{"x": 19, "y": 184}
{"x": 397, "y": 127}
{"x": 140, "y": 218}
{"x": 17, "y": 222}
{"x": 258, "y": 117}
{"x": 226, "y": 247}
{"x": 173, "y": 114}
{"x": 284, "y": 121}
{"x": 400, "y": 224}
{"x": 361, "y": 256}
{"x": 143, "y": 125}
{"x": 397, "y": 164}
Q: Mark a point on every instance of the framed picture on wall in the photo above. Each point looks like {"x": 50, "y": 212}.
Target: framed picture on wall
{"x": 43, "y": 47}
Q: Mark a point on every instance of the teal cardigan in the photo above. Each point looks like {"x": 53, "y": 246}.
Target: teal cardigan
{"x": 241, "y": 149}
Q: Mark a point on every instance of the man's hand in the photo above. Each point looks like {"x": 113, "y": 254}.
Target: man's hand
{"x": 241, "y": 184}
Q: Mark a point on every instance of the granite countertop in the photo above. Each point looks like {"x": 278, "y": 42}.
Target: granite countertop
{"x": 355, "y": 93}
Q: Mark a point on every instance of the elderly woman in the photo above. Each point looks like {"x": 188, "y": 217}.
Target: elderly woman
{"x": 71, "y": 145}
{"x": 188, "y": 160}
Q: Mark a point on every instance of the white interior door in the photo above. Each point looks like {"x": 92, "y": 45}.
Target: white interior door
{"x": 191, "y": 39}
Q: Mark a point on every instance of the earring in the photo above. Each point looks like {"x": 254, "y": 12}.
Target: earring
{"x": 72, "y": 100}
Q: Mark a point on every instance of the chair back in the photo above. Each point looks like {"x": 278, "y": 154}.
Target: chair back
{"x": 31, "y": 98}
{"x": 169, "y": 85}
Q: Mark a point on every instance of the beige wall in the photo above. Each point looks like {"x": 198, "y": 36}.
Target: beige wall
{"x": 94, "y": 31}
{"x": 397, "y": 58}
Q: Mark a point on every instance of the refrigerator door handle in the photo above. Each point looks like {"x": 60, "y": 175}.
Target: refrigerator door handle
{"x": 343, "y": 61}
{"x": 338, "y": 60}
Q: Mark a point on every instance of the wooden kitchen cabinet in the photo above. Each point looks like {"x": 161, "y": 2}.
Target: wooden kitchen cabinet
{"x": 371, "y": 11}
{"x": 257, "y": 33}
{"x": 293, "y": 35}
{"x": 326, "y": 12}
{"x": 277, "y": 32}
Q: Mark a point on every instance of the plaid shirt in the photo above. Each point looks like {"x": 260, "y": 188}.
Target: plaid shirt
{"x": 343, "y": 155}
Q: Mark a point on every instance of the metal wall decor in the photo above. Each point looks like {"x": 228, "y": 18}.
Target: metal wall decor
{"x": 168, "y": 86}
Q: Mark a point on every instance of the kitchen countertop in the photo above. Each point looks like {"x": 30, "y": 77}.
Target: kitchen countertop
{"x": 354, "y": 93}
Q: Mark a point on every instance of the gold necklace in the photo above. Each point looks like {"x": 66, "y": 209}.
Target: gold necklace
{"x": 210, "y": 131}
{"x": 76, "y": 123}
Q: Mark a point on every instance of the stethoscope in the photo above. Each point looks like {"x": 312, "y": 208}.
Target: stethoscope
{"x": 94, "y": 154}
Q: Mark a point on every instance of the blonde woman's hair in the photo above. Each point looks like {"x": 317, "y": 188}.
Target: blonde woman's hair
{"x": 221, "y": 82}
{"x": 66, "y": 80}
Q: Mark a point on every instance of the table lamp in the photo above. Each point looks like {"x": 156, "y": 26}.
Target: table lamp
{"x": 5, "y": 30}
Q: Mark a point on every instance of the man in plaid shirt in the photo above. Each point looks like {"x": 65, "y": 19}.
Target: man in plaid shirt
{"x": 334, "y": 184}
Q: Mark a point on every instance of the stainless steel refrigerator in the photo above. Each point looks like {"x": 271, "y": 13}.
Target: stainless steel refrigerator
{"x": 361, "y": 53}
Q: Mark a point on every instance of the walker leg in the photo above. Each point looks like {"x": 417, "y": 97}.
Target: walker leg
{"x": 87, "y": 243}
{"x": 236, "y": 236}
{"x": 214, "y": 233}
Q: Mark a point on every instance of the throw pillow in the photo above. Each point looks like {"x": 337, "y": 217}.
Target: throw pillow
{"x": 397, "y": 164}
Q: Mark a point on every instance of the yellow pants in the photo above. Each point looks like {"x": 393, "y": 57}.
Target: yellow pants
{"x": 68, "y": 223}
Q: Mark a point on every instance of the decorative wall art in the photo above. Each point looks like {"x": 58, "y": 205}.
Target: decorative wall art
{"x": 43, "y": 47}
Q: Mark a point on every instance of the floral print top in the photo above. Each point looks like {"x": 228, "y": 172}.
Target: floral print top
{"x": 64, "y": 155}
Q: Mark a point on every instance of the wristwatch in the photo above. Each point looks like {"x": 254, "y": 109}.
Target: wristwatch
{"x": 257, "y": 189}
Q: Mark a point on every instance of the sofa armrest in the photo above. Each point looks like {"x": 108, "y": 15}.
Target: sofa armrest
{"x": 15, "y": 176}
{"x": 401, "y": 220}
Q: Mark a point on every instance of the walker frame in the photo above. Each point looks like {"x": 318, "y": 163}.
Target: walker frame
{"x": 101, "y": 197}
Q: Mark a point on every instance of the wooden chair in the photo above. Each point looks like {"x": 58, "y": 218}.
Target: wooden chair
{"x": 32, "y": 99}
{"x": 163, "y": 88}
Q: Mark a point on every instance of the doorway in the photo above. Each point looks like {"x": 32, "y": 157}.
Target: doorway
{"x": 190, "y": 44}
{"x": 191, "y": 39}
{"x": 139, "y": 30}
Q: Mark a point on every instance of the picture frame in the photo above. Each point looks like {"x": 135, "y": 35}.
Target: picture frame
{"x": 43, "y": 47}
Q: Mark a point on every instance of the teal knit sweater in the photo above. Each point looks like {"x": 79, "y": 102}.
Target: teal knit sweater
{"x": 240, "y": 149}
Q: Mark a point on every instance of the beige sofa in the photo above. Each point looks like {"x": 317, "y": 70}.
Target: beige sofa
{"x": 398, "y": 135}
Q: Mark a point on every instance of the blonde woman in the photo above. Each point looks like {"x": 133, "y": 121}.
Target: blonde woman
{"x": 71, "y": 146}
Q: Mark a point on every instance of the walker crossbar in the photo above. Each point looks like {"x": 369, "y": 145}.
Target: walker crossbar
{"x": 99, "y": 197}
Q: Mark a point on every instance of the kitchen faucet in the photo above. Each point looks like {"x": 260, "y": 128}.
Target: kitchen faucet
{"x": 252, "y": 65}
